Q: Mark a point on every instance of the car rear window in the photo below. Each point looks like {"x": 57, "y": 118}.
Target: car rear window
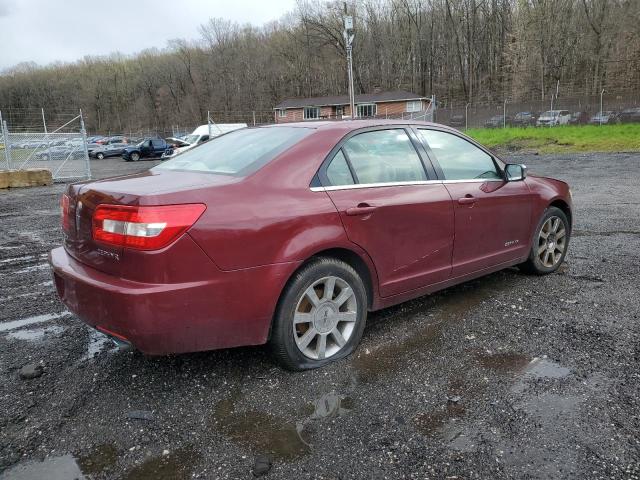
{"x": 237, "y": 153}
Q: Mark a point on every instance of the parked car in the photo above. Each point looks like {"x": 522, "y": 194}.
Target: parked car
{"x": 58, "y": 152}
{"x": 289, "y": 234}
{"x": 523, "y": 119}
{"x": 553, "y": 118}
{"x": 578, "y": 118}
{"x": 148, "y": 148}
{"x": 497, "y": 121}
{"x": 602, "y": 118}
{"x": 108, "y": 150}
{"x": 457, "y": 121}
{"x": 629, "y": 115}
{"x": 202, "y": 134}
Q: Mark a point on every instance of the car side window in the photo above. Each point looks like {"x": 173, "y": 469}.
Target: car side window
{"x": 383, "y": 156}
{"x": 338, "y": 172}
{"x": 459, "y": 159}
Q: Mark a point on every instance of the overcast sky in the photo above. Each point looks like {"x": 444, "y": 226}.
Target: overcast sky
{"x": 44, "y": 31}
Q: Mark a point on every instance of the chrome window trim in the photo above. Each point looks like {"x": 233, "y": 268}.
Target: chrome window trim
{"x": 400, "y": 184}
{"x": 374, "y": 185}
{"x": 474, "y": 180}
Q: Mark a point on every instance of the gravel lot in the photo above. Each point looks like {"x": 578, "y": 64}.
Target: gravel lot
{"x": 508, "y": 376}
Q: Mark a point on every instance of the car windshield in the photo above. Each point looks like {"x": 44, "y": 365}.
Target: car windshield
{"x": 550, "y": 114}
{"x": 238, "y": 153}
{"x": 191, "y": 139}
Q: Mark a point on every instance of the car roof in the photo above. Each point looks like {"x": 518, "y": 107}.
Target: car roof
{"x": 351, "y": 125}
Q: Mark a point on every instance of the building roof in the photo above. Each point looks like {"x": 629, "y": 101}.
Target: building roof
{"x": 394, "y": 96}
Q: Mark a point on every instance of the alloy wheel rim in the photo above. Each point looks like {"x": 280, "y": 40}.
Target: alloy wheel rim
{"x": 552, "y": 241}
{"x": 325, "y": 318}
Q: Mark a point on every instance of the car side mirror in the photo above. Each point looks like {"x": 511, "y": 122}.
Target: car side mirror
{"x": 514, "y": 172}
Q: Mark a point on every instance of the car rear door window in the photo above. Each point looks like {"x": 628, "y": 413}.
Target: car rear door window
{"x": 384, "y": 156}
{"x": 458, "y": 158}
{"x": 338, "y": 172}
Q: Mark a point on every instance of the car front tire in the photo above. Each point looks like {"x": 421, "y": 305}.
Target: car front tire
{"x": 549, "y": 244}
{"x": 100, "y": 156}
{"x": 135, "y": 157}
{"x": 320, "y": 317}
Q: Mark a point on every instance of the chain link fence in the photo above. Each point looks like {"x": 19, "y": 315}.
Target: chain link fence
{"x": 567, "y": 111}
{"x": 62, "y": 151}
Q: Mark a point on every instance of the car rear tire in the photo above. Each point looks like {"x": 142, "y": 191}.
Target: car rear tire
{"x": 550, "y": 243}
{"x": 45, "y": 157}
{"x": 100, "y": 156}
{"x": 135, "y": 156}
{"x": 320, "y": 316}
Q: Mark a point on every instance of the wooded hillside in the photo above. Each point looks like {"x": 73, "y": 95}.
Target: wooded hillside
{"x": 460, "y": 50}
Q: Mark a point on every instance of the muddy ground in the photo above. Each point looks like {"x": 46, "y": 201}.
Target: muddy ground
{"x": 508, "y": 376}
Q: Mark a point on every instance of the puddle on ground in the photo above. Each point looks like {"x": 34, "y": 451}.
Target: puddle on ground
{"x": 66, "y": 467}
{"x": 261, "y": 431}
{"x": 36, "y": 334}
{"x": 330, "y": 405}
{"x": 539, "y": 368}
{"x": 63, "y": 467}
{"x": 177, "y": 464}
{"x": 101, "y": 459}
{"x": 523, "y": 366}
{"x": 6, "y": 326}
{"x": 432, "y": 423}
{"x": 503, "y": 362}
{"x": 506, "y": 362}
{"x": 544, "y": 368}
{"x": 451, "y": 306}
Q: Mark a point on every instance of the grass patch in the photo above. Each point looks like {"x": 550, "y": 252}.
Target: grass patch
{"x": 584, "y": 138}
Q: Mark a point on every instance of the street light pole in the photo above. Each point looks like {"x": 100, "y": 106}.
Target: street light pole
{"x": 348, "y": 40}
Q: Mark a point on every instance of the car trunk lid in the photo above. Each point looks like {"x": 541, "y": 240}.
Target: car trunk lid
{"x": 146, "y": 188}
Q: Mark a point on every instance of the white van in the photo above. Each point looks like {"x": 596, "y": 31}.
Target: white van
{"x": 551, "y": 118}
{"x": 201, "y": 135}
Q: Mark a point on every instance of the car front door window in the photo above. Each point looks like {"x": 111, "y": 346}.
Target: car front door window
{"x": 458, "y": 158}
{"x": 492, "y": 221}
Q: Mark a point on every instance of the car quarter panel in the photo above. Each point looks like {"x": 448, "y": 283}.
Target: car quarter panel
{"x": 272, "y": 216}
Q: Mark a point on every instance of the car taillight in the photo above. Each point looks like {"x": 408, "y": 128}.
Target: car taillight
{"x": 64, "y": 212}
{"x": 144, "y": 227}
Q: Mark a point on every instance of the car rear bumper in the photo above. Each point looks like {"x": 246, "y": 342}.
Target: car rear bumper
{"x": 233, "y": 309}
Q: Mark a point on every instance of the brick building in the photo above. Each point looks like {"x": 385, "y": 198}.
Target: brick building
{"x": 380, "y": 104}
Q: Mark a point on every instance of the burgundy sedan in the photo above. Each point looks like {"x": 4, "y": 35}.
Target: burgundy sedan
{"x": 289, "y": 234}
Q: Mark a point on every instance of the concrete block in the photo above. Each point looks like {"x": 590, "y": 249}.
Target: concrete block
{"x": 31, "y": 177}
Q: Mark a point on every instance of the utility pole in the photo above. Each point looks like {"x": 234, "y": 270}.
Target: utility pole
{"x": 504, "y": 114}
{"x": 348, "y": 35}
{"x": 601, "y": 94}
{"x": 466, "y": 117}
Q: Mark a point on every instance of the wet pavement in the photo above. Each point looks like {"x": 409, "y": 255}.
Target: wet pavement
{"x": 508, "y": 376}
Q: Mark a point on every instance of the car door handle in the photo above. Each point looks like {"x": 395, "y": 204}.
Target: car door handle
{"x": 361, "y": 209}
{"x": 467, "y": 200}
